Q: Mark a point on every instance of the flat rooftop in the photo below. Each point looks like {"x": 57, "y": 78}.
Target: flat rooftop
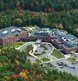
{"x": 59, "y": 33}
{"x": 40, "y": 33}
{"x": 70, "y": 40}
{"x": 9, "y": 31}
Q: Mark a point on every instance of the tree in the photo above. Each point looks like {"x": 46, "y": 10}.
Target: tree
{"x": 18, "y": 21}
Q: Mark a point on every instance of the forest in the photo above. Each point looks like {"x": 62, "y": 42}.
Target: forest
{"x": 14, "y": 66}
{"x": 39, "y": 5}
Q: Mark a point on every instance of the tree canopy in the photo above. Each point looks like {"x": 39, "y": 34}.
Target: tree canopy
{"x": 16, "y": 67}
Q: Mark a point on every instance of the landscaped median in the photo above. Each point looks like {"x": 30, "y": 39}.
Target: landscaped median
{"x": 45, "y": 59}
{"x": 57, "y": 54}
{"x": 72, "y": 59}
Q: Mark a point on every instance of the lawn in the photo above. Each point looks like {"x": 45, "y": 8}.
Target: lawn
{"x": 72, "y": 59}
{"x": 45, "y": 59}
{"x": 1, "y": 46}
{"x": 13, "y": 45}
{"x": 57, "y": 54}
{"x": 28, "y": 49}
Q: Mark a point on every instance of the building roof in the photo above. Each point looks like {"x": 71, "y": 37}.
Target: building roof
{"x": 70, "y": 40}
{"x": 70, "y": 36}
{"x": 10, "y": 31}
{"x": 40, "y": 33}
{"x": 45, "y": 29}
{"x": 58, "y": 32}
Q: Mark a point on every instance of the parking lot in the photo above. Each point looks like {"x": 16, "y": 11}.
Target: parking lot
{"x": 64, "y": 66}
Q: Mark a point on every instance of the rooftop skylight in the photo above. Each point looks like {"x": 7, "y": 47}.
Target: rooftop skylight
{"x": 13, "y": 30}
{"x": 4, "y": 32}
{"x": 19, "y": 29}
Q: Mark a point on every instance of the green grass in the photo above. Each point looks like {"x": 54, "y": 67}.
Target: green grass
{"x": 28, "y": 49}
{"x": 38, "y": 61}
{"x": 17, "y": 44}
{"x": 1, "y": 46}
{"x": 57, "y": 54}
{"x": 13, "y": 45}
{"x": 45, "y": 59}
{"x": 72, "y": 59}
